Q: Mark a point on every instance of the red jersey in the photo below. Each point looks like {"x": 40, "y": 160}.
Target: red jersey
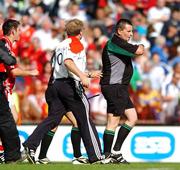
{"x": 8, "y": 45}
{"x": 10, "y": 81}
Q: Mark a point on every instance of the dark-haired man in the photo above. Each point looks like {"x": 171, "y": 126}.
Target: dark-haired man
{"x": 9, "y": 133}
{"x": 117, "y": 73}
{"x": 8, "y": 130}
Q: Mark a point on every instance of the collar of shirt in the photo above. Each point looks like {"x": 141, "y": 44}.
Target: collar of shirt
{"x": 118, "y": 40}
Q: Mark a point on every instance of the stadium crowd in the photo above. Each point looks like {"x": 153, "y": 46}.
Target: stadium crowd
{"x": 155, "y": 86}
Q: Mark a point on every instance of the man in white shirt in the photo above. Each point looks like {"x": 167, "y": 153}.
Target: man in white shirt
{"x": 67, "y": 91}
{"x": 158, "y": 14}
{"x": 70, "y": 77}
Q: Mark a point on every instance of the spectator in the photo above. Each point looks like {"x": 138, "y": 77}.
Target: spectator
{"x": 149, "y": 102}
{"x": 12, "y": 12}
{"x": 158, "y": 14}
{"x": 175, "y": 59}
{"x": 73, "y": 11}
{"x": 151, "y": 35}
{"x": 174, "y": 20}
{"x": 170, "y": 95}
{"x": 34, "y": 105}
{"x": 158, "y": 67}
{"x": 44, "y": 34}
{"x": 159, "y": 48}
{"x": 175, "y": 69}
{"x": 46, "y": 72}
{"x": 27, "y": 31}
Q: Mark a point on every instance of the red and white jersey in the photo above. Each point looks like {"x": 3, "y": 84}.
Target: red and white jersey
{"x": 10, "y": 81}
{"x": 70, "y": 48}
{"x": 8, "y": 45}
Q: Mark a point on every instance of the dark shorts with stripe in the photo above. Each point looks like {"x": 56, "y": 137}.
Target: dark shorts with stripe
{"x": 71, "y": 93}
{"x": 55, "y": 105}
{"x": 117, "y": 97}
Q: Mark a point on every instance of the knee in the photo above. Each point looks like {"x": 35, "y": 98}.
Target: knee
{"x": 112, "y": 124}
{"x": 74, "y": 123}
{"x": 131, "y": 115}
{"x": 133, "y": 120}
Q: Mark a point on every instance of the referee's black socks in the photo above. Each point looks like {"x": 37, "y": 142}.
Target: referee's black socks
{"x": 45, "y": 144}
{"x": 122, "y": 134}
{"x": 108, "y": 140}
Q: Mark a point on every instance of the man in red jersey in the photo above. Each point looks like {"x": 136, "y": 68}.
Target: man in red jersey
{"x": 8, "y": 130}
{"x": 8, "y": 71}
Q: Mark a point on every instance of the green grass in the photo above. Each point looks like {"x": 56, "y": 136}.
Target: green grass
{"x": 69, "y": 166}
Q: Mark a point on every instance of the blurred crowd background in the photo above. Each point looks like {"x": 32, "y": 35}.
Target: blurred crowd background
{"x": 155, "y": 85}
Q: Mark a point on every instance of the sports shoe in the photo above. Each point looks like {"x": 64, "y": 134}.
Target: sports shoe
{"x": 106, "y": 158}
{"x": 118, "y": 158}
{"x": 99, "y": 161}
{"x": 15, "y": 161}
{"x": 2, "y": 159}
{"x": 23, "y": 156}
{"x": 30, "y": 153}
{"x": 80, "y": 160}
{"x": 43, "y": 161}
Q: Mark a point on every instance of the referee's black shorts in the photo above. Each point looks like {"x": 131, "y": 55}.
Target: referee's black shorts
{"x": 117, "y": 98}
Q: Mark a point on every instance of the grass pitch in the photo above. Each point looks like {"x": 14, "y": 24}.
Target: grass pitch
{"x": 69, "y": 166}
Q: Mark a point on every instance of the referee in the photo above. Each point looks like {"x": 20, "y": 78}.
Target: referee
{"x": 117, "y": 73}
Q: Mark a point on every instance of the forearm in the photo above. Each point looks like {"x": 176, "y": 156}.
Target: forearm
{"x": 167, "y": 98}
{"x": 20, "y": 72}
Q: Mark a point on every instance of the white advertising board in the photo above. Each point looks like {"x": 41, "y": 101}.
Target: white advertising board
{"x": 144, "y": 144}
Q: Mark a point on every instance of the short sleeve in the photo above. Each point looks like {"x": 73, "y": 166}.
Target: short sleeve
{"x": 68, "y": 54}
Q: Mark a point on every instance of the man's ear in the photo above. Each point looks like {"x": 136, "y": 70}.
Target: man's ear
{"x": 12, "y": 32}
{"x": 118, "y": 31}
{"x": 80, "y": 34}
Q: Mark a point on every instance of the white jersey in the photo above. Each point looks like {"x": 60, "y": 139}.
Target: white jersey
{"x": 64, "y": 52}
